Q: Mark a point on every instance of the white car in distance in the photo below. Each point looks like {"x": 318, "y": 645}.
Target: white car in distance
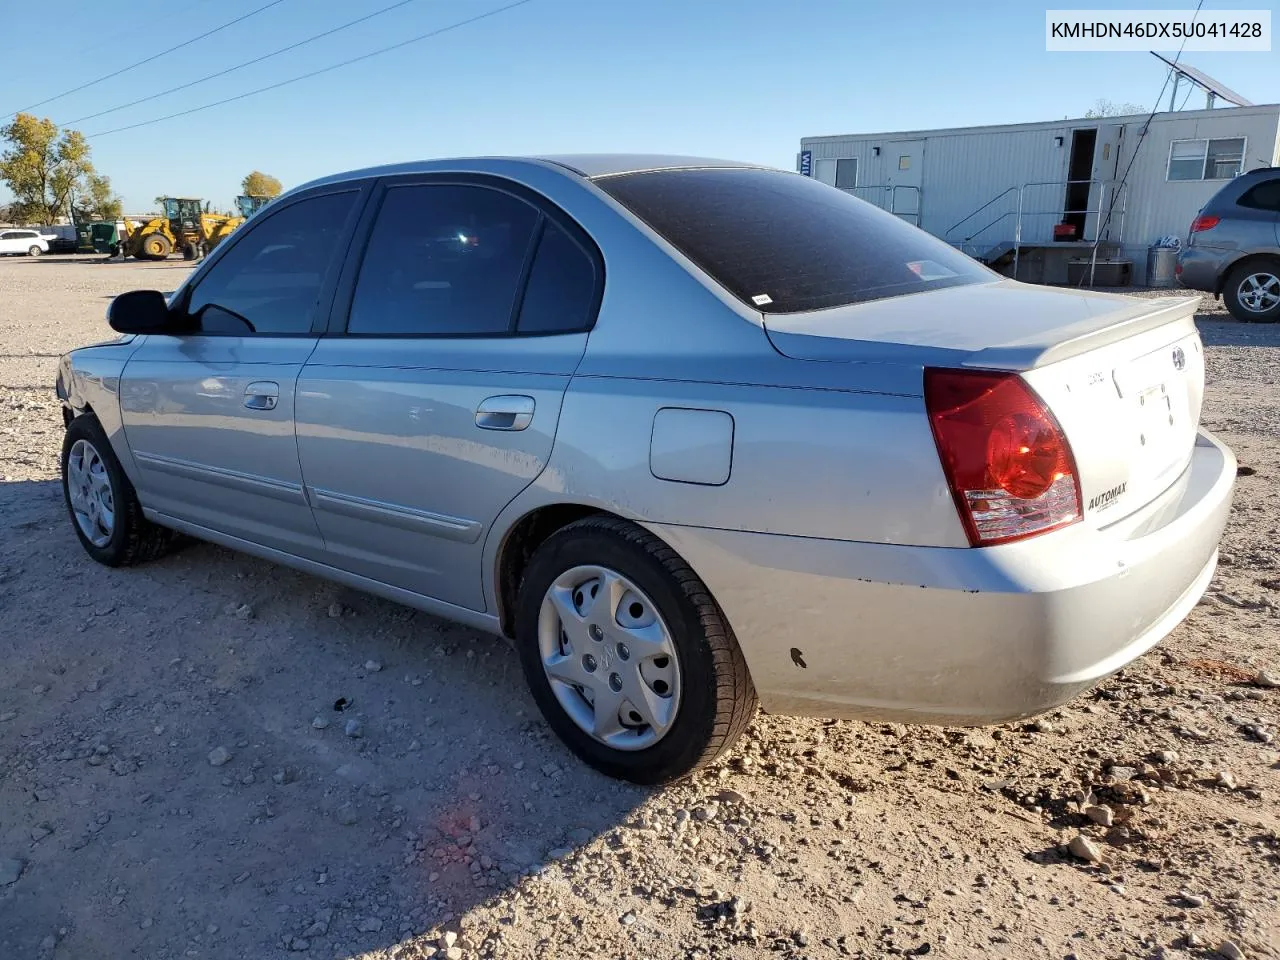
{"x": 30, "y": 243}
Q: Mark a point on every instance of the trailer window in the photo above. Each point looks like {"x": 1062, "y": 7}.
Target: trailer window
{"x": 1206, "y": 159}
{"x": 785, "y": 243}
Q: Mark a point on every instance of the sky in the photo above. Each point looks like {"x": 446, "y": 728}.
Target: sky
{"x": 738, "y": 79}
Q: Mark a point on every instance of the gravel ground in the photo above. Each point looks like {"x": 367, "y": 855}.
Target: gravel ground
{"x": 177, "y": 781}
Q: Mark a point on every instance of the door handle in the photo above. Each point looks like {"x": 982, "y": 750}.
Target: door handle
{"x": 262, "y": 395}
{"x": 505, "y": 413}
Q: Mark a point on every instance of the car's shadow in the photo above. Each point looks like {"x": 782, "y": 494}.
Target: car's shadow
{"x": 119, "y": 684}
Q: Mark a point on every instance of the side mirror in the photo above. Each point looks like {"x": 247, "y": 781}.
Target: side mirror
{"x": 141, "y": 311}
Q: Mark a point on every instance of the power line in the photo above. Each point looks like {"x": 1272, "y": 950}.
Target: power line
{"x": 116, "y": 37}
{"x": 1191, "y": 88}
{"x": 314, "y": 73}
{"x": 241, "y": 66}
{"x": 1142, "y": 135}
{"x": 157, "y": 56}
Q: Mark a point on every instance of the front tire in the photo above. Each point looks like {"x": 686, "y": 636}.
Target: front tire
{"x": 103, "y": 506}
{"x": 627, "y": 655}
{"x": 156, "y": 246}
{"x": 34, "y": 251}
{"x": 1252, "y": 291}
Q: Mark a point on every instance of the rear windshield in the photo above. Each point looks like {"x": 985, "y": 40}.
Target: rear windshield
{"x": 783, "y": 243}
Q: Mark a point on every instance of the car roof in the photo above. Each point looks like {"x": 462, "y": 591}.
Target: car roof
{"x": 611, "y": 164}
{"x": 587, "y": 165}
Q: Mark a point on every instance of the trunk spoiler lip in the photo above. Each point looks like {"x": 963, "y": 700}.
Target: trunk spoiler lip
{"x": 1143, "y": 316}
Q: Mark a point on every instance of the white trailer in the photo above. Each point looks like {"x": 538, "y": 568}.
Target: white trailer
{"x": 1032, "y": 196}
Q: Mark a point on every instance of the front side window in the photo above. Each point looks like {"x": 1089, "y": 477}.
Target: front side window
{"x": 1205, "y": 159}
{"x": 443, "y": 260}
{"x": 269, "y": 282}
{"x": 785, "y": 243}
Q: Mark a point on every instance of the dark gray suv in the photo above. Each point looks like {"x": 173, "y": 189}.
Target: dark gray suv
{"x": 1233, "y": 250}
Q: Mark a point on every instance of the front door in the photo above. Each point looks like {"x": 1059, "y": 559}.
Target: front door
{"x": 904, "y": 178}
{"x": 1102, "y": 193}
{"x": 439, "y": 401}
{"x": 209, "y": 414}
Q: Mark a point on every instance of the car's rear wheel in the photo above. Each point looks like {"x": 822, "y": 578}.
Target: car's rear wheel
{"x": 103, "y": 505}
{"x": 1252, "y": 291}
{"x": 34, "y": 251}
{"x": 627, "y": 655}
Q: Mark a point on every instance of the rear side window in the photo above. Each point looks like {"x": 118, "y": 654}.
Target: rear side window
{"x": 784, "y": 243}
{"x": 1263, "y": 196}
{"x": 561, "y": 295}
{"x": 443, "y": 260}
{"x": 273, "y": 274}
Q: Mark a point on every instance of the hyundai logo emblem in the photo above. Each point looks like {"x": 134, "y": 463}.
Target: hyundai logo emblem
{"x": 1179, "y": 358}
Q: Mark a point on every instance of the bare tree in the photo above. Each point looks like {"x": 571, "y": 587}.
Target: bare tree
{"x": 1103, "y": 107}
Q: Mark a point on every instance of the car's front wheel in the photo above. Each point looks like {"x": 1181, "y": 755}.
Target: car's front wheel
{"x": 1252, "y": 291}
{"x": 34, "y": 251}
{"x": 102, "y": 503}
{"x": 627, "y": 655}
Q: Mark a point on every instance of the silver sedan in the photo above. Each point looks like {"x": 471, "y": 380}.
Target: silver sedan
{"x": 692, "y": 434}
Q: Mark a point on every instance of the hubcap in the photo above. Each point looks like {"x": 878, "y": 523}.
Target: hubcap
{"x": 89, "y": 488}
{"x": 609, "y": 657}
{"x": 1260, "y": 292}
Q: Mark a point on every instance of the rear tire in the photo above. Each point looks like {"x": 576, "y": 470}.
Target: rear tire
{"x": 34, "y": 251}
{"x": 708, "y": 680}
{"x": 1252, "y": 291}
{"x": 103, "y": 506}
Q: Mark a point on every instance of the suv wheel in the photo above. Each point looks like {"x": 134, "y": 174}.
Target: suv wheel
{"x": 34, "y": 251}
{"x": 1252, "y": 291}
{"x": 627, "y": 655}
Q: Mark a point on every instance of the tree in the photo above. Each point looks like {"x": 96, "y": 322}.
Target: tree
{"x": 98, "y": 202}
{"x": 1103, "y": 107}
{"x": 46, "y": 168}
{"x": 259, "y": 184}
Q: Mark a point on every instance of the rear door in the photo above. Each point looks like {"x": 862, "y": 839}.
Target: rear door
{"x": 435, "y": 400}
{"x": 209, "y": 414}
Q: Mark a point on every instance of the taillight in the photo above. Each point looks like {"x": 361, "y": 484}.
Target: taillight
{"x": 1004, "y": 454}
{"x": 1204, "y": 222}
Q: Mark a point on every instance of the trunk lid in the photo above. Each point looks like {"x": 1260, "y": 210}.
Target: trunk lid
{"x": 1124, "y": 376}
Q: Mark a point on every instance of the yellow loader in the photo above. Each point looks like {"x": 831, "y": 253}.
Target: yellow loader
{"x": 250, "y": 205}
{"x": 186, "y": 226}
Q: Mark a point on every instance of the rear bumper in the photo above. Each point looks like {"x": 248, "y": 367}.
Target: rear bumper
{"x": 1200, "y": 268}
{"x": 957, "y": 635}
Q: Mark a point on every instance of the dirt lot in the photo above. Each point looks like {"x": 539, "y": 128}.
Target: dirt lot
{"x": 454, "y": 821}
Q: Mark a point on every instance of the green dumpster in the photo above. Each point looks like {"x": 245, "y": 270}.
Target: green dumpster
{"x": 105, "y": 237}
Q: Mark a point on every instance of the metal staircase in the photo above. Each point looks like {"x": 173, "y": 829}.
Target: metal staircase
{"x": 1020, "y": 218}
